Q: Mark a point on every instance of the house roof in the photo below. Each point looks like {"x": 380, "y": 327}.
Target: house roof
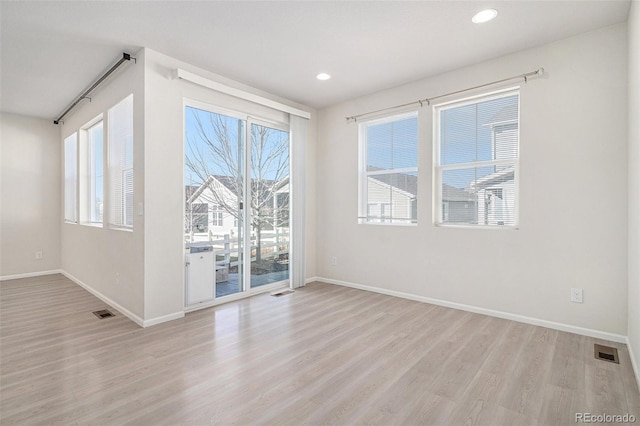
{"x": 499, "y": 177}
{"x": 402, "y": 181}
{"x": 189, "y": 190}
{"x": 409, "y": 184}
{"x": 506, "y": 114}
{"x": 228, "y": 182}
{"x": 192, "y": 194}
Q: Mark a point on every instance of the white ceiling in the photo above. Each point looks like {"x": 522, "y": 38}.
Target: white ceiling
{"x": 52, "y": 50}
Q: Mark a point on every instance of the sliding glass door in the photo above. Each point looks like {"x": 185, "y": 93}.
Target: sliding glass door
{"x": 240, "y": 216}
{"x": 269, "y": 184}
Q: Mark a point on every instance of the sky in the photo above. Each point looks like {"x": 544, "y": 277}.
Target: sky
{"x": 277, "y": 168}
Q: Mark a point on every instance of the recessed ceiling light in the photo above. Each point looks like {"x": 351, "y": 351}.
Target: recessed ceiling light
{"x": 484, "y": 16}
{"x": 323, "y": 76}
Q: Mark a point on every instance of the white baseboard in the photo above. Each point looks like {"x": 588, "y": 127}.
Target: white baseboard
{"x": 133, "y": 317}
{"x": 634, "y": 361}
{"x": 484, "y": 311}
{"x": 164, "y": 318}
{"x": 30, "y": 275}
{"x": 310, "y": 280}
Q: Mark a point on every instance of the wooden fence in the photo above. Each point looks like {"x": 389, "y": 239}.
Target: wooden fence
{"x": 273, "y": 244}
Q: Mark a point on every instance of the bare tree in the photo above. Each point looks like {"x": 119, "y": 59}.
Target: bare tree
{"x": 215, "y": 157}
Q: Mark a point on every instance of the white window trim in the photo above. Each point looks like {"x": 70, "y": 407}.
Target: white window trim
{"x": 85, "y": 176}
{"x": 77, "y": 178}
{"x": 437, "y": 168}
{"x": 363, "y": 174}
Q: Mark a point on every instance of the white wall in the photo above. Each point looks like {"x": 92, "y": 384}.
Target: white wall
{"x": 107, "y": 261}
{"x": 30, "y": 196}
{"x": 634, "y": 184}
{"x": 164, "y": 165}
{"x": 573, "y": 205}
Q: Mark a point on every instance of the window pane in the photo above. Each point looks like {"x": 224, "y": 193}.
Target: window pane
{"x": 479, "y": 195}
{"x": 96, "y": 173}
{"x": 392, "y": 144}
{"x": 484, "y": 131}
{"x": 390, "y": 181}
{"x": 200, "y": 217}
{"x": 269, "y": 205}
{"x": 392, "y": 197}
{"x": 71, "y": 178}
{"x": 482, "y": 138}
{"x": 121, "y": 163}
{"x": 214, "y": 174}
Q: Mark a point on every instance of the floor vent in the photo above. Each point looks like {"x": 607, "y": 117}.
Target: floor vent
{"x": 280, "y": 293}
{"x": 606, "y": 353}
{"x": 105, "y": 313}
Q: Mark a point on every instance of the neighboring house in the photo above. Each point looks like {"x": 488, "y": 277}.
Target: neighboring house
{"x": 458, "y": 205}
{"x": 392, "y": 195}
{"x": 212, "y": 209}
{"x": 496, "y": 191}
{"x": 489, "y": 200}
{"x": 496, "y": 195}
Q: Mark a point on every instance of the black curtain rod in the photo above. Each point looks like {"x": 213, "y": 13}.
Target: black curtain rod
{"x": 87, "y": 92}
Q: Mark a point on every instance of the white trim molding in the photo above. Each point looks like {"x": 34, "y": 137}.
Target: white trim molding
{"x": 133, "y": 317}
{"x": 124, "y": 311}
{"x": 612, "y": 337}
{"x": 163, "y": 318}
{"x": 223, "y": 88}
{"x": 634, "y": 362}
{"x": 30, "y": 275}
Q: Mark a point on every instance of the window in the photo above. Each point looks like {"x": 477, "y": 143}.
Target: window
{"x": 71, "y": 178}
{"x": 216, "y": 216}
{"x": 389, "y": 170}
{"x": 93, "y": 185}
{"x": 120, "y": 148}
{"x": 199, "y": 217}
{"x": 476, "y": 161}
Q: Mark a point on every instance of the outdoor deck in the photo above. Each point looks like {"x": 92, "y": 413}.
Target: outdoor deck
{"x": 274, "y": 251}
{"x": 232, "y": 286}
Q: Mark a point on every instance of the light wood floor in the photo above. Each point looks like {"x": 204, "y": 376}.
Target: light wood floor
{"x": 322, "y": 355}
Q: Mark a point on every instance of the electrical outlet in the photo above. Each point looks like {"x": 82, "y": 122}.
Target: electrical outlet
{"x": 39, "y": 255}
{"x": 334, "y": 261}
{"x": 576, "y": 295}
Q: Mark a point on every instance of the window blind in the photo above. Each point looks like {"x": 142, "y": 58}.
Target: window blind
{"x": 477, "y": 161}
{"x": 120, "y": 147}
{"x": 389, "y": 170}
